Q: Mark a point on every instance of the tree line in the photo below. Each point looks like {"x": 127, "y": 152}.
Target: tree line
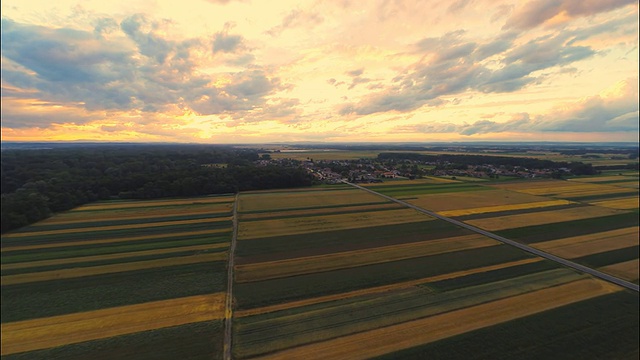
{"x": 39, "y": 182}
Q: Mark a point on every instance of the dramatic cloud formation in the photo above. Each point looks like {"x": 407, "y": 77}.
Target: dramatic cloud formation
{"x": 245, "y": 71}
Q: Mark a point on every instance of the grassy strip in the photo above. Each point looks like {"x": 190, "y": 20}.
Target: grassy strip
{"x": 256, "y": 334}
{"x": 351, "y": 210}
{"x": 100, "y": 223}
{"x": 293, "y": 210}
{"x": 545, "y": 232}
{"x": 202, "y": 340}
{"x": 25, "y": 301}
{"x": 410, "y": 191}
{"x": 88, "y": 234}
{"x": 600, "y": 196}
{"x": 402, "y": 187}
{"x": 517, "y": 212}
{"x": 492, "y": 276}
{"x": 121, "y": 260}
{"x": 268, "y": 292}
{"x": 605, "y": 327}
{"x": 609, "y": 257}
{"x": 113, "y": 248}
{"x": 292, "y": 246}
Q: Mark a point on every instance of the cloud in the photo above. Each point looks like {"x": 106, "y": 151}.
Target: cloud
{"x": 296, "y": 18}
{"x": 537, "y": 12}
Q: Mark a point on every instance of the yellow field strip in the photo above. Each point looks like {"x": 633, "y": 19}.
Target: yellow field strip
{"x": 490, "y": 209}
{"x": 62, "y": 330}
{"x": 342, "y": 209}
{"x": 628, "y": 270}
{"x": 108, "y": 269}
{"x": 347, "y": 259}
{"x": 74, "y": 260}
{"x": 145, "y": 203}
{"x": 64, "y": 219}
{"x": 379, "y": 289}
{"x": 623, "y": 204}
{"x": 107, "y": 241}
{"x": 393, "y": 338}
{"x": 117, "y": 227}
{"x": 474, "y": 199}
{"x": 303, "y": 225}
{"x": 541, "y": 218}
{"x": 629, "y": 184}
{"x": 583, "y": 245}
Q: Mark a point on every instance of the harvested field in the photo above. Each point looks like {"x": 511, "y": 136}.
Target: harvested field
{"x": 472, "y": 199}
{"x": 628, "y": 270}
{"x": 630, "y": 184}
{"x": 347, "y": 259}
{"x": 623, "y": 204}
{"x": 318, "y": 211}
{"x": 491, "y": 209}
{"x": 146, "y": 203}
{"x": 61, "y": 330}
{"x": 74, "y": 260}
{"x": 292, "y": 226}
{"x": 272, "y": 201}
{"x": 115, "y": 227}
{"x": 380, "y": 289}
{"x": 46, "y": 245}
{"x": 583, "y": 245}
{"x": 602, "y": 179}
{"x": 413, "y": 333}
{"x": 542, "y": 217}
{"x": 107, "y": 269}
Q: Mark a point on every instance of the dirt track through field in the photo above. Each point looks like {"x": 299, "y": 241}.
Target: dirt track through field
{"x": 62, "y": 330}
{"x": 108, "y": 269}
{"x": 379, "y": 289}
{"x": 393, "y": 338}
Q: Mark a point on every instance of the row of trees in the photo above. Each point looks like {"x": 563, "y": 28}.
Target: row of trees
{"x": 37, "y": 183}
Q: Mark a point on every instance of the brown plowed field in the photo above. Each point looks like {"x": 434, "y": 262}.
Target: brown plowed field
{"x": 628, "y": 270}
{"x": 583, "y": 245}
{"x": 473, "y": 199}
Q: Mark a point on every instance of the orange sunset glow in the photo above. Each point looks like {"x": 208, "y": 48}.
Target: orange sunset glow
{"x": 248, "y": 71}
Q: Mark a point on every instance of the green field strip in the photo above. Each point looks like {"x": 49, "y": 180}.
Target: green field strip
{"x": 274, "y": 291}
{"x": 487, "y": 215}
{"x": 605, "y": 327}
{"x": 87, "y": 234}
{"x": 142, "y": 222}
{"x": 600, "y": 196}
{"x": 609, "y": 257}
{"x": 433, "y": 189}
{"x": 324, "y": 213}
{"x": 111, "y": 248}
{"x": 394, "y": 187}
{"x": 145, "y": 204}
{"x": 201, "y": 340}
{"x": 546, "y": 232}
{"x": 293, "y": 210}
{"x": 65, "y": 296}
{"x": 326, "y": 242}
{"x": 131, "y": 257}
{"x": 491, "y": 276}
{"x": 256, "y": 335}
{"x": 80, "y": 229}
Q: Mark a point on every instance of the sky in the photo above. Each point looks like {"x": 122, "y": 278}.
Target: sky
{"x": 249, "y": 71}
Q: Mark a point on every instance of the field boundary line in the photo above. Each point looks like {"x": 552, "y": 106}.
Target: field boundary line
{"x": 546, "y": 255}
{"x": 228, "y": 311}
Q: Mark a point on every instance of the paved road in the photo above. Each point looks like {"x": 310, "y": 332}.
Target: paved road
{"x": 228, "y": 311}
{"x": 529, "y": 249}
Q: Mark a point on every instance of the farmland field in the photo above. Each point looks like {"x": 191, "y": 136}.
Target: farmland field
{"x": 133, "y": 278}
{"x": 336, "y": 274}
